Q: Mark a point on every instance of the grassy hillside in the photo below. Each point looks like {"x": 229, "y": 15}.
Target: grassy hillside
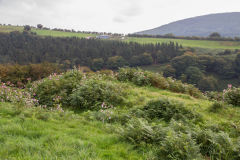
{"x": 211, "y": 46}
{"x": 119, "y": 128}
{"x": 224, "y": 23}
{"x": 43, "y": 32}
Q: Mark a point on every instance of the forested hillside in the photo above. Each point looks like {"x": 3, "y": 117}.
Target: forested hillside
{"x": 24, "y": 48}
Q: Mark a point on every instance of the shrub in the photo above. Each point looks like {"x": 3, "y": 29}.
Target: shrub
{"x": 57, "y": 88}
{"x": 16, "y": 96}
{"x": 126, "y": 74}
{"x": 157, "y": 80}
{"x": 179, "y": 140}
{"x": 193, "y": 91}
{"x": 178, "y": 146}
{"x": 138, "y": 131}
{"x": 232, "y": 96}
{"x": 169, "y": 109}
{"x": 141, "y": 79}
{"x": 176, "y": 86}
{"x": 179, "y": 87}
{"x": 216, "y": 107}
{"x": 216, "y": 145}
{"x": 165, "y": 141}
{"x": 218, "y": 96}
{"x": 137, "y": 76}
{"x": 92, "y": 93}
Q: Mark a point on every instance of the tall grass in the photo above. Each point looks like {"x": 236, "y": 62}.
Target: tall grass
{"x": 35, "y": 133}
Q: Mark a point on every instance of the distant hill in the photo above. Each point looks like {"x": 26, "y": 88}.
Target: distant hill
{"x": 227, "y": 24}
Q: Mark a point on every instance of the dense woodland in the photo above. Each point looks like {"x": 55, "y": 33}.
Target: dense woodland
{"x": 181, "y": 63}
{"x": 204, "y": 70}
{"x": 24, "y": 48}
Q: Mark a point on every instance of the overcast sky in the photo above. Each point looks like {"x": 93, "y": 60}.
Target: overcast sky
{"x": 121, "y": 16}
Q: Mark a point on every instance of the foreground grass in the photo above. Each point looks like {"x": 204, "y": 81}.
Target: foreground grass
{"x": 39, "y": 134}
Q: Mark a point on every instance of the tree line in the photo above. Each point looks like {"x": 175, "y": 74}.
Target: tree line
{"x": 215, "y": 36}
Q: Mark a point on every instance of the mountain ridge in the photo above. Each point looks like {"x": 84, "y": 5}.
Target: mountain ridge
{"x": 227, "y": 24}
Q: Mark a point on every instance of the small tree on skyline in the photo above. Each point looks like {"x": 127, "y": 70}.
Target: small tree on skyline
{"x": 39, "y": 26}
{"x": 215, "y": 35}
{"x": 27, "y": 28}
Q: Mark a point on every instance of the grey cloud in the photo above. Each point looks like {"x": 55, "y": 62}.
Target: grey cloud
{"x": 128, "y": 10}
{"x": 132, "y": 11}
{"x": 119, "y": 20}
{"x": 28, "y": 3}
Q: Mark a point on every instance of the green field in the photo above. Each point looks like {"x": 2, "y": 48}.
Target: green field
{"x": 43, "y": 32}
{"x": 189, "y": 43}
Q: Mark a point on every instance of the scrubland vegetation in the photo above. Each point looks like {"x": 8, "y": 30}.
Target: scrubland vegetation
{"x": 129, "y": 114}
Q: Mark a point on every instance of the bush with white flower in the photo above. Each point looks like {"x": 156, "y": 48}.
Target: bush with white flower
{"x": 232, "y": 95}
